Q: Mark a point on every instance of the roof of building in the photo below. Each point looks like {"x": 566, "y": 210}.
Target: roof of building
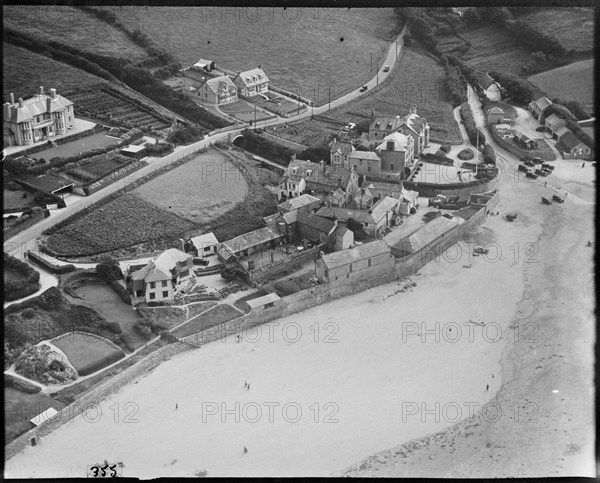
{"x": 522, "y": 137}
{"x": 252, "y": 77}
{"x": 315, "y": 172}
{"x": 220, "y": 84}
{"x": 202, "y": 63}
{"x": 570, "y": 141}
{"x": 364, "y": 155}
{"x": 315, "y": 221}
{"x": 248, "y": 240}
{"x": 37, "y": 105}
{"x": 341, "y": 146}
{"x": 382, "y": 207}
{"x": 150, "y": 273}
{"x": 495, "y": 110}
{"x": 168, "y": 259}
{"x": 359, "y": 252}
{"x": 399, "y": 140}
{"x": 485, "y": 81}
{"x": 345, "y": 214}
{"x": 264, "y": 300}
{"x": 44, "y": 416}
{"x": 426, "y": 234}
{"x": 342, "y": 230}
{"x": 133, "y": 148}
{"x": 386, "y": 123}
{"x": 298, "y": 202}
{"x": 409, "y": 194}
{"x": 391, "y": 189}
{"x": 561, "y": 131}
{"x": 555, "y": 121}
{"x": 542, "y": 103}
{"x": 202, "y": 241}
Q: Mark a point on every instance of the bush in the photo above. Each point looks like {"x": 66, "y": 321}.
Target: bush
{"x": 489, "y": 155}
{"x": 466, "y": 154}
{"x": 28, "y": 313}
{"x": 108, "y": 269}
{"x": 121, "y": 291}
{"x": 474, "y": 134}
{"x": 446, "y": 147}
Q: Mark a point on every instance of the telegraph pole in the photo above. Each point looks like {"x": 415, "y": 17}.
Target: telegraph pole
{"x": 329, "y": 97}
{"x": 371, "y": 68}
{"x": 255, "y": 117}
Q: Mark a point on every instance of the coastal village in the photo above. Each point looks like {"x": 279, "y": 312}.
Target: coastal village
{"x": 134, "y": 234}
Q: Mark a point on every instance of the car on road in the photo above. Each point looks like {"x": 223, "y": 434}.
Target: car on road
{"x": 364, "y": 88}
{"x": 557, "y": 198}
{"x": 542, "y": 172}
{"x": 531, "y": 175}
{"x": 200, "y": 261}
{"x": 386, "y": 68}
{"x": 523, "y": 168}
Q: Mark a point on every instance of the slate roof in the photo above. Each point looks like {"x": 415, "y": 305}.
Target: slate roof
{"x": 37, "y": 105}
{"x": 220, "y": 84}
{"x": 561, "y": 131}
{"x": 555, "y": 122}
{"x": 298, "y": 202}
{"x": 252, "y": 77}
{"x": 399, "y": 140}
{"x": 314, "y": 172}
{"x": 485, "y": 81}
{"x": 364, "y": 155}
{"x": 249, "y": 240}
{"x": 426, "y": 234}
{"x": 570, "y": 141}
{"x": 343, "y": 148}
{"x": 360, "y": 252}
{"x": 542, "y": 103}
{"x": 205, "y": 240}
{"x": 315, "y": 221}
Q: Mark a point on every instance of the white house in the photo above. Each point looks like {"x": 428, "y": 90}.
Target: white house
{"x": 252, "y": 82}
{"x": 205, "y": 245}
{"x": 490, "y": 88}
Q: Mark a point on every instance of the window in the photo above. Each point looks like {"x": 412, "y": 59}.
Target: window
{"x": 164, "y": 283}
{"x": 152, "y": 284}
{"x": 369, "y": 262}
{"x": 165, "y": 293}
{"x": 392, "y": 166}
{"x": 152, "y": 296}
{"x": 350, "y": 268}
{"x": 139, "y": 293}
{"x": 207, "y": 249}
{"x": 369, "y": 169}
{"x": 347, "y": 275}
{"x": 366, "y": 224}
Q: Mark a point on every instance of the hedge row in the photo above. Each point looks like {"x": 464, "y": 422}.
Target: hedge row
{"x": 20, "y": 384}
{"x": 474, "y": 134}
{"x": 16, "y": 289}
{"x": 121, "y": 291}
{"x": 51, "y": 267}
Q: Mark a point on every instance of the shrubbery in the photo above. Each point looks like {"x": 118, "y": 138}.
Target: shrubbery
{"x": 489, "y": 156}
{"x": 474, "y": 134}
{"x": 108, "y": 269}
{"x": 16, "y": 289}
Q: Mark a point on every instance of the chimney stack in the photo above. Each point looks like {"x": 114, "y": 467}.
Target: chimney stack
{"x": 41, "y": 90}
{"x": 339, "y": 182}
{"x": 52, "y": 93}
{"x": 20, "y": 102}
{"x": 12, "y": 98}
{"x": 48, "y": 104}
{"x": 7, "y": 110}
{"x": 413, "y": 110}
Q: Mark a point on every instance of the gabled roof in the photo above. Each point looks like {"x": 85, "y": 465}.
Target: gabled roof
{"x": 555, "y": 121}
{"x": 342, "y": 147}
{"x": 345, "y": 214}
{"x": 570, "y": 141}
{"x": 360, "y": 252}
{"x": 265, "y": 299}
{"x": 252, "y": 77}
{"x": 248, "y": 240}
{"x": 386, "y": 123}
{"x": 220, "y": 84}
{"x": 364, "y": 155}
{"x": 542, "y": 103}
{"x": 297, "y": 203}
{"x": 399, "y": 140}
{"x": 426, "y": 234}
{"x": 391, "y": 189}
{"x": 485, "y": 81}
{"x": 409, "y": 195}
{"x": 150, "y": 273}
{"x": 495, "y": 110}
{"x": 37, "y": 105}
{"x": 314, "y": 172}
{"x": 561, "y": 131}
{"x": 523, "y": 138}
{"x": 205, "y": 240}
{"x": 169, "y": 259}
{"x": 383, "y": 206}
{"x": 317, "y": 222}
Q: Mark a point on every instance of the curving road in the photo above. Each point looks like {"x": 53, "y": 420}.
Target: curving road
{"x": 19, "y": 244}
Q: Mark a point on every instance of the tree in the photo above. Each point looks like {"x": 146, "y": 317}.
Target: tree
{"x": 108, "y": 270}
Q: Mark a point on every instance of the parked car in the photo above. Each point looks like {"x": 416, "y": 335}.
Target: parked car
{"x": 548, "y": 166}
{"x": 537, "y": 160}
{"x": 200, "y": 261}
{"x": 529, "y": 163}
{"x": 511, "y": 216}
{"x": 557, "y": 198}
{"x": 523, "y": 168}
{"x": 541, "y": 172}
{"x": 386, "y": 68}
{"x": 531, "y": 175}
{"x": 546, "y": 201}
{"x": 364, "y": 88}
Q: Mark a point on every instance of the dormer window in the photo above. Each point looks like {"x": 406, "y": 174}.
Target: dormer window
{"x": 308, "y": 172}
{"x": 295, "y": 170}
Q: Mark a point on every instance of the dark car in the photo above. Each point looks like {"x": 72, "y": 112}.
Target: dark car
{"x": 548, "y": 166}
{"x": 529, "y": 163}
{"x": 200, "y": 261}
{"x": 531, "y": 175}
{"x": 538, "y": 161}
{"x": 557, "y": 198}
{"x": 522, "y": 168}
{"x": 364, "y": 88}
{"x": 386, "y": 68}
{"x": 546, "y": 201}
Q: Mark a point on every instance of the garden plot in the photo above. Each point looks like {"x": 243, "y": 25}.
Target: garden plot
{"x": 73, "y": 148}
{"x": 200, "y": 190}
{"x": 88, "y": 353}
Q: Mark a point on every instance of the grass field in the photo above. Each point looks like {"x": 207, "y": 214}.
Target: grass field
{"x": 20, "y": 407}
{"x": 72, "y": 27}
{"x": 79, "y": 146}
{"x": 87, "y": 352}
{"x": 104, "y": 300}
{"x": 492, "y": 48}
{"x": 210, "y": 318}
{"x": 570, "y": 82}
{"x": 18, "y": 199}
{"x": 299, "y": 49}
{"x": 26, "y": 71}
{"x": 200, "y": 190}
{"x": 309, "y": 133}
{"x": 572, "y": 26}
{"x": 126, "y": 221}
{"x": 417, "y": 81}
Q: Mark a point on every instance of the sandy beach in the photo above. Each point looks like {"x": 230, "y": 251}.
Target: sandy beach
{"x": 407, "y": 366}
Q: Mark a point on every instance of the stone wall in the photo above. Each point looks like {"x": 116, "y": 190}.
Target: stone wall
{"x": 455, "y": 189}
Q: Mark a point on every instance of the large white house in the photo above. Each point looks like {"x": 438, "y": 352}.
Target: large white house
{"x": 37, "y": 118}
{"x": 218, "y": 90}
{"x": 252, "y": 82}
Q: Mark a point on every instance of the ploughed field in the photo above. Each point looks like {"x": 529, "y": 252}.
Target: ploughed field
{"x": 25, "y": 71}
{"x": 418, "y": 81}
{"x": 303, "y": 50}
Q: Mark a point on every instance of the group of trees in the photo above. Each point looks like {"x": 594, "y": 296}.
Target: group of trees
{"x": 185, "y": 135}
{"x": 28, "y": 284}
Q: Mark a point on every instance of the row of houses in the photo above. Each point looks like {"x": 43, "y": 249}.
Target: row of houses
{"x": 557, "y": 127}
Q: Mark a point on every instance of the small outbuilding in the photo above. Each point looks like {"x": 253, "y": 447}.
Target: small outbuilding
{"x": 495, "y": 115}
{"x": 134, "y": 151}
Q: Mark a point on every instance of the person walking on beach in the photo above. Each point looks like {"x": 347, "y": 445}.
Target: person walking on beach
{"x": 248, "y": 387}
{"x": 245, "y": 450}
{"x": 176, "y": 406}
{"x": 245, "y": 384}
{"x": 487, "y": 387}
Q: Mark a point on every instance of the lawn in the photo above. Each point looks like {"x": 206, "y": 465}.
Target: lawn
{"x": 18, "y": 199}
{"x": 215, "y": 316}
{"x": 26, "y": 71}
{"x": 301, "y": 50}
{"x": 125, "y": 221}
{"x": 200, "y": 190}
{"x": 73, "y": 27}
{"x": 104, "y": 300}
{"x": 311, "y": 133}
{"x": 97, "y": 140}
{"x": 493, "y": 48}
{"x": 88, "y": 353}
{"x": 172, "y": 316}
{"x": 417, "y": 81}
{"x": 570, "y": 82}
{"x": 572, "y": 26}
{"x": 20, "y": 407}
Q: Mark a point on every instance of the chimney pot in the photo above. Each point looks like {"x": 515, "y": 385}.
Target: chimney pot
{"x": 53, "y": 93}
{"x": 20, "y": 102}
{"x": 41, "y": 90}
{"x": 12, "y": 98}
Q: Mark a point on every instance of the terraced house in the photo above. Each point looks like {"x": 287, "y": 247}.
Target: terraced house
{"x": 251, "y": 83}
{"x": 37, "y": 118}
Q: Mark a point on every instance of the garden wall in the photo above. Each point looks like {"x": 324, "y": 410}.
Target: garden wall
{"x": 94, "y": 396}
{"x": 522, "y": 153}
{"x": 454, "y": 189}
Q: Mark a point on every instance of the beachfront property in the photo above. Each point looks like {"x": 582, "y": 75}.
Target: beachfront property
{"x": 359, "y": 262}
{"x": 256, "y": 241}
{"x": 158, "y": 280}
{"x": 36, "y": 119}
{"x": 218, "y": 90}
{"x": 252, "y": 82}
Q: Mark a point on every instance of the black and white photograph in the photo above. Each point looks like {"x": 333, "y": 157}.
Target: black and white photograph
{"x": 347, "y": 240}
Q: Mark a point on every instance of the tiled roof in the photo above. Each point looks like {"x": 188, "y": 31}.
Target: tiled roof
{"x": 561, "y": 131}
{"x": 386, "y": 123}
{"x": 315, "y": 221}
{"x": 36, "y": 106}
{"x": 485, "y": 81}
{"x": 205, "y": 240}
{"x": 554, "y": 121}
{"x": 344, "y": 148}
{"x": 360, "y": 252}
{"x": 364, "y": 155}
{"x": 316, "y": 173}
{"x": 426, "y": 234}
{"x": 252, "y": 77}
{"x": 542, "y": 103}
{"x": 345, "y": 214}
{"x": 218, "y": 84}
{"x": 168, "y": 259}
{"x": 249, "y": 240}
{"x": 570, "y": 141}
{"x": 298, "y": 202}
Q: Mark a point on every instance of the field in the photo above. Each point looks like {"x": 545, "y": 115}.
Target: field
{"x": 570, "y": 82}
{"x": 244, "y": 111}
{"x": 300, "y": 50}
{"x": 97, "y": 140}
{"x": 492, "y": 48}
{"x": 309, "y": 133}
{"x": 215, "y": 316}
{"x": 72, "y": 27}
{"x": 26, "y": 71}
{"x": 200, "y": 190}
{"x": 126, "y": 221}
{"x": 19, "y": 199}
{"x": 572, "y": 26}
{"x": 20, "y": 407}
{"x": 97, "y": 169}
{"x": 417, "y": 81}
{"x": 104, "y": 300}
{"x": 88, "y": 353}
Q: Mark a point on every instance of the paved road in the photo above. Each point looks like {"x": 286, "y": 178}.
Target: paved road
{"x": 26, "y": 240}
